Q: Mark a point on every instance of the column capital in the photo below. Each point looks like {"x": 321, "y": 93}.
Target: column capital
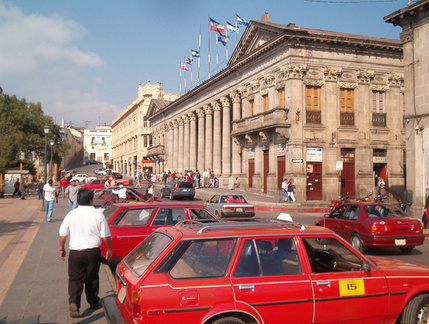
{"x": 216, "y": 105}
{"x": 185, "y": 119}
{"x": 235, "y": 96}
{"x": 200, "y": 113}
{"x": 225, "y": 101}
{"x": 192, "y": 116}
{"x": 208, "y": 110}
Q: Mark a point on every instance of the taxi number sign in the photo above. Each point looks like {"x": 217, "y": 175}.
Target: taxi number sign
{"x": 122, "y": 294}
{"x": 352, "y": 287}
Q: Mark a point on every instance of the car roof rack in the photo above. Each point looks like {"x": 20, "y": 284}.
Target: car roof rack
{"x": 232, "y": 223}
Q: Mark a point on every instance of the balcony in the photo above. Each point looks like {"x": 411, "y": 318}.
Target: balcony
{"x": 313, "y": 116}
{"x": 156, "y": 151}
{"x": 379, "y": 119}
{"x": 347, "y": 118}
{"x": 277, "y": 117}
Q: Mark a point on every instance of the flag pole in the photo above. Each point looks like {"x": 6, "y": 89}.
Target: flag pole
{"x": 199, "y": 51}
{"x": 180, "y": 74}
{"x": 208, "y": 46}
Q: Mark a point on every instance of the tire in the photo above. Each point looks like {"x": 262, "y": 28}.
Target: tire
{"x": 171, "y": 196}
{"x": 162, "y": 194}
{"x": 406, "y": 249}
{"x": 228, "y": 320}
{"x": 357, "y": 243}
{"x": 191, "y": 198}
{"x": 417, "y": 310}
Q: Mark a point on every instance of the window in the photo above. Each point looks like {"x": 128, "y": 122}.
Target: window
{"x": 347, "y": 115}
{"x": 281, "y": 97}
{"x": 313, "y": 109}
{"x": 265, "y": 106}
{"x": 200, "y": 214}
{"x": 251, "y": 107}
{"x": 136, "y": 217}
{"x": 168, "y": 216}
{"x": 378, "y": 109}
{"x": 271, "y": 257}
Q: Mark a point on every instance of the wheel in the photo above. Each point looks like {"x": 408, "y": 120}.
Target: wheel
{"x": 171, "y": 196}
{"x": 191, "y": 198}
{"x": 228, "y": 320}
{"x": 357, "y": 243}
{"x": 417, "y": 310}
{"x": 406, "y": 249}
{"x": 162, "y": 194}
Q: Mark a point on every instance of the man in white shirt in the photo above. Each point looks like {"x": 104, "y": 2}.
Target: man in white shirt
{"x": 121, "y": 192}
{"x": 86, "y": 226}
{"x": 285, "y": 185}
{"x": 49, "y": 196}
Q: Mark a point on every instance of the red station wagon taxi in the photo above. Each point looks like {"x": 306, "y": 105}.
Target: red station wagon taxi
{"x": 129, "y": 224}
{"x": 262, "y": 272}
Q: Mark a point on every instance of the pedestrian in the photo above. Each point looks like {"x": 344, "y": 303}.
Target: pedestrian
{"x": 291, "y": 191}
{"x": 284, "y": 193}
{"x": 206, "y": 178}
{"x": 150, "y": 190}
{"x": 71, "y": 194}
{"x": 121, "y": 192}
{"x": 107, "y": 199}
{"x": 49, "y": 196}
{"x": 212, "y": 179}
{"x": 40, "y": 186}
{"x": 138, "y": 179}
{"x": 17, "y": 185}
{"x": 236, "y": 184}
{"x": 63, "y": 185}
{"x": 197, "y": 178}
{"x": 86, "y": 226}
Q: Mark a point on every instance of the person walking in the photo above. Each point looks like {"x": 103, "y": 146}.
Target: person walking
{"x": 138, "y": 179}
{"x": 40, "y": 186}
{"x": 206, "y": 178}
{"x": 63, "y": 185}
{"x": 71, "y": 194}
{"x": 49, "y": 196}
{"x": 17, "y": 185}
{"x": 197, "y": 178}
{"x": 86, "y": 227}
{"x": 284, "y": 193}
{"x": 291, "y": 191}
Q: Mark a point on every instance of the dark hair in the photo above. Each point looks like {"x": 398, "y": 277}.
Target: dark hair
{"x": 84, "y": 197}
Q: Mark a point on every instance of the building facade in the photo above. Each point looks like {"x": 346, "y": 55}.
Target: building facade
{"x": 323, "y": 108}
{"x": 132, "y": 134}
{"x": 414, "y": 20}
{"x": 97, "y": 144}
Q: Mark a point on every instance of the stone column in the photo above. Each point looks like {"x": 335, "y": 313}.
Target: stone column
{"x": 169, "y": 146}
{"x": 181, "y": 152}
{"x": 209, "y": 137}
{"x": 236, "y": 146}
{"x": 226, "y": 136}
{"x": 217, "y": 138}
{"x": 175, "y": 142}
{"x": 193, "y": 142}
{"x": 186, "y": 143}
{"x": 201, "y": 126}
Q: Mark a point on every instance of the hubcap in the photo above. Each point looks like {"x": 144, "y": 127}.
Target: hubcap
{"x": 423, "y": 316}
{"x": 356, "y": 243}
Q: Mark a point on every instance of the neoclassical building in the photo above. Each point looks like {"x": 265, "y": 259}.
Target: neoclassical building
{"x": 321, "y": 107}
{"x": 131, "y": 133}
{"x": 414, "y": 20}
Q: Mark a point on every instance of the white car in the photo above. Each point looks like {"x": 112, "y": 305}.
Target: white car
{"x": 82, "y": 178}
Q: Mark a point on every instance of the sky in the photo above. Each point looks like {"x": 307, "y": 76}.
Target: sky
{"x": 83, "y": 60}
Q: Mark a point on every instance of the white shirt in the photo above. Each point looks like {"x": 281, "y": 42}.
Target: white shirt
{"x": 122, "y": 193}
{"x": 49, "y": 192}
{"x": 86, "y": 226}
{"x": 285, "y": 184}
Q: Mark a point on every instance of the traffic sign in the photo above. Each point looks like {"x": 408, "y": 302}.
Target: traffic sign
{"x": 297, "y": 160}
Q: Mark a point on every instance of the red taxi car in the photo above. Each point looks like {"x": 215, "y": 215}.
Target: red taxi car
{"x": 261, "y": 272}
{"x": 129, "y": 224}
{"x": 368, "y": 225}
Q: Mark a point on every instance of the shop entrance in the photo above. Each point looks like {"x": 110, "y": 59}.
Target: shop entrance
{"x": 314, "y": 181}
{"x": 348, "y": 173}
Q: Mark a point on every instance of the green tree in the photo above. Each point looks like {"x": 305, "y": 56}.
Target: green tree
{"x": 22, "y": 136}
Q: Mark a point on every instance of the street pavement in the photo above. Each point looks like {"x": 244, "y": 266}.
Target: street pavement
{"x": 34, "y": 279}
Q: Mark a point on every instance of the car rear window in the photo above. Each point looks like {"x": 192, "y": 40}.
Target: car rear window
{"x": 184, "y": 185}
{"x": 110, "y": 211}
{"x": 146, "y": 252}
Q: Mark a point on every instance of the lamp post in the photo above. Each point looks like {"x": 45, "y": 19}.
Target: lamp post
{"x": 52, "y": 174}
{"x": 46, "y": 131}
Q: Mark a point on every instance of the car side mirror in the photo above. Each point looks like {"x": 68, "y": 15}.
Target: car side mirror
{"x": 366, "y": 266}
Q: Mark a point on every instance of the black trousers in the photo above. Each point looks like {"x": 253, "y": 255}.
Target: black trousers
{"x": 84, "y": 266}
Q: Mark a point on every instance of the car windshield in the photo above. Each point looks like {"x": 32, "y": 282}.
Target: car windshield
{"x": 376, "y": 211}
{"x": 146, "y": 252}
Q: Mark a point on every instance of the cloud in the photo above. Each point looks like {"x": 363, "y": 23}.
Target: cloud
{"x": 30, "y": 42}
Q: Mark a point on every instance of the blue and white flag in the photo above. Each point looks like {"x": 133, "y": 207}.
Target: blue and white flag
{"x": 222, "y": 38}
{"x": 231, "y": 28}
{"x": 241, "y": 21}
{"x": 195, "y": 53}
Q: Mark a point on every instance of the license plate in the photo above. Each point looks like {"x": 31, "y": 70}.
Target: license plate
{"x": 239, "y": 210}
{"x": 185, "y": 189}
{"x": 122, "y": 294}
{"x": 400, "y": 242}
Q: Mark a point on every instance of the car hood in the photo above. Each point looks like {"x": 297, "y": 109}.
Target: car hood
{"x": 393, "y": 267}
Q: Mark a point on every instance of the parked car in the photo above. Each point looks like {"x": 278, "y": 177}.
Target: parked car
{"x": 133, "y": 196}
{"x": 90, "y": 162}
{"x": 256, "y": 272}
{"x": 82, "y": 178}
{"x": 131, "y": 223}
{"x": 100, "y": 171}
{"x": 178, "y": 189}
{"x": 125, "y": 182}
{"x": 230, "y": 205}
{"x": 95, "y": 184}
{"x": 368, "y": 225}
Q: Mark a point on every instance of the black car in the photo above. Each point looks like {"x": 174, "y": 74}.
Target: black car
{"x": 89, "y": 162}
{"x": 178, "y": 189}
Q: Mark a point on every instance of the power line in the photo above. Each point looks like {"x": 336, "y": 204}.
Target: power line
{"x": 356, "y": 1}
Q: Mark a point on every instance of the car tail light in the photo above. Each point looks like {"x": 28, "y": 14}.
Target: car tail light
{"x": 228, "y": 208}
{"x": 135, "y": 302}
{"x": 378, "y": 228}
{"x": 175, "y": 187}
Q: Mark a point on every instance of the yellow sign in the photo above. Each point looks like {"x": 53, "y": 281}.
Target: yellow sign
{"x": 352, "y": 287}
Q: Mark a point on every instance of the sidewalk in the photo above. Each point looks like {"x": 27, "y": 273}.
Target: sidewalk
{"x": 36, "y": 277}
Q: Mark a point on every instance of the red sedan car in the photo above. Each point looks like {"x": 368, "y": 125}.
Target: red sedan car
{"x": 130, "y": 224}
{"x": 368, "y": 225}
{"x": 256, "y": 272}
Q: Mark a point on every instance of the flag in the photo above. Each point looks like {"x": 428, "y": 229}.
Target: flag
{"x": 241, "y": 21}
{"x": 231, "y": 28}
{"x": 188, "y": 60}
{"x": 214, "y": 25}
{"x": 183, "y": 67}
{"x": 222, "y": 38}
{"x": 195, "y": 53}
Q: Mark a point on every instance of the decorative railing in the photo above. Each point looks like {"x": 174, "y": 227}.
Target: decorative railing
{"x": 156, "y": 150}
{"x": 347, "y": 118}
{"x": 273, "y": 118}
{"x": 313, "y": 116}
{"x": 379, "y": 119}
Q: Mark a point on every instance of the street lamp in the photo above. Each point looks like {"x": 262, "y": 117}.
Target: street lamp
{"x": 46, "y": 131}
{"x": 52, "y": 145}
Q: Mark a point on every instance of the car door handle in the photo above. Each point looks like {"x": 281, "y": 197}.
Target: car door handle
{"x": 323, "y": 283}
{"x": 246, "y": 287}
